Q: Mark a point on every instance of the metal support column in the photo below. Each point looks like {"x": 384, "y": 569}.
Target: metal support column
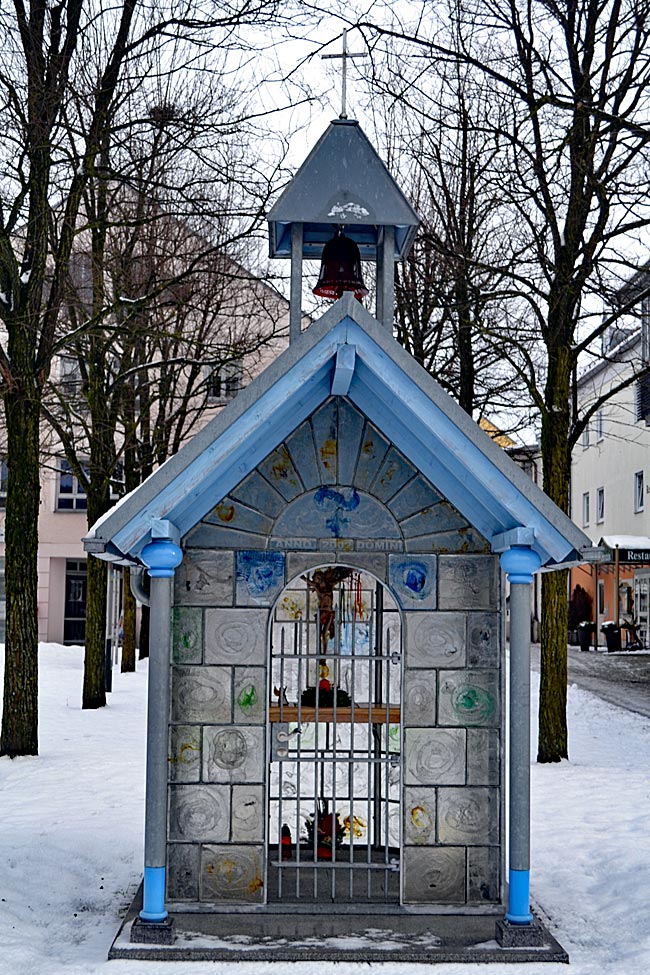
{"x": 520, "y": 563}
{"x": 295, "y": 296}
{"x": 161, "y": 557}
{"x": 386, "y": 278}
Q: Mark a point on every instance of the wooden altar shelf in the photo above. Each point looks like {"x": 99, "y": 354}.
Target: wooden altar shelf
{"x": 361, "y": 714}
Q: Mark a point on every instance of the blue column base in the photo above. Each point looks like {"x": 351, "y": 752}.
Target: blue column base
{"x": 519, "y": 897}
{"x": 153, "y": 900}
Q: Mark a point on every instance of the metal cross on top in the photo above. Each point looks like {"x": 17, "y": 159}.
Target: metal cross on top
{"x": 344, "y": 57}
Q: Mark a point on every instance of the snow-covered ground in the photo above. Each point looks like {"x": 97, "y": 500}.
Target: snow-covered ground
{"x": 71, "y": 841}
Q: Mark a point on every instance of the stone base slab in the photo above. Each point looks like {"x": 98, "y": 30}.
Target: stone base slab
{"x": 152, "y": 932}
{"x": 264, "y": 934}
{"x": 509, "y": 935}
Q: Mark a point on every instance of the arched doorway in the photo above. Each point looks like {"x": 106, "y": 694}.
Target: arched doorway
{"x": 335, "y": 741}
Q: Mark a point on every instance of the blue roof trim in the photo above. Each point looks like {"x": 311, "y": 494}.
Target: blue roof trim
{"x": 223, "y": 464}
{"x": 251, "y": 453}
{"x": 402, "y": 432}
{"x": 471, "y": 481}
{"x": 394, "y": 392}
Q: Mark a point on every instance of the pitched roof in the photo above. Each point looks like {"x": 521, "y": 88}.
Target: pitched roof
{"x": 346, "y": 353}
{"x": 342, "y": 181}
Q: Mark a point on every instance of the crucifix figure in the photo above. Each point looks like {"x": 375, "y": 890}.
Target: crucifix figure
{"x": 344, "y": 57}
{"x": 322, "y": 582}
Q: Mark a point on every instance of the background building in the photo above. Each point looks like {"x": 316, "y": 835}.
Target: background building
{"x": 63, "y": 507}
{"x": 610, "y": 480}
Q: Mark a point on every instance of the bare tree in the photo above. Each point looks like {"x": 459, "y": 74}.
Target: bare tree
{"x": 60, "y": 90}
{"x": 449, "y": 311}
{"x": 174, "y": 313}
{"x": 572, "y": 128}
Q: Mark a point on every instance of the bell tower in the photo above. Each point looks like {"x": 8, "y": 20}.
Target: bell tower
{"x": 344, "y": 199}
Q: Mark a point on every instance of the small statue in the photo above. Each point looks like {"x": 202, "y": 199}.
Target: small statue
{"x": 322, "y": 582}
{"x": 281, "y": 694}
{"x": 324, "y": 684}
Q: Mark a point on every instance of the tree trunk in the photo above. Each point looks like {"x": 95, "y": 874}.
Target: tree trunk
{"x": 20, "y": 714}
{"x": 94, "y": 686}
{"x": 556, "y": 461}
{"x": 465, "y": 339}
{"x": 552, "y": 745}
{"x": 128, "y": 640}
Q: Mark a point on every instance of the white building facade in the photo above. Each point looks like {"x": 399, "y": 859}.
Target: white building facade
{"x": 610, "y": 479}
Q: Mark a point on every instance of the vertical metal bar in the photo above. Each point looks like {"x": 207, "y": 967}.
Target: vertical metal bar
{"x": 353, "y": 658}
{"x": 388, "y": 795}
{"x": 351, "y": 848}
{"x": 379, "y": 641}
{"x": 519, "y": 847}
{"x": 376, "y": 728}
{"x": 348, "y": 622}
{"x": 386, "y": 278}
{"x": 281, "y": 767}
{"x": 281, "y": 687}
{"x": 385, "y": 813}
{"x": 369, "y": 752}
{"x": 298, "y": 636}
{"x": 351, "y": 742}
{"x": 318, "y": 766}
{"x": 353, "y": 727}
{"x": 338, "y": 623}
{"x": 387, "y": 756}
{"x": 617, "y": 585}
{"x": 334, "y": 685}
{"x": 379, "y": 280}
{"x": 157, "y": 730}
{"x": 520, "y": 563}
{"x": 161, "y": 556}
{"x": 295, "y": 294}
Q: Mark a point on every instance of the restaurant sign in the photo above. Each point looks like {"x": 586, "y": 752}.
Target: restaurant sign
{"x": 633, "y": 555}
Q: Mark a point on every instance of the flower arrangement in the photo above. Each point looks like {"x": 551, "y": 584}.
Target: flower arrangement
{"x": 325, "y": 697}
{"x": 328, "y": 829}
{"x": 325, "y": 694}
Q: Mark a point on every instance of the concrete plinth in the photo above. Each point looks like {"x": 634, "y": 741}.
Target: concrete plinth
{"x": 152, "y": 932}
{"x": 520, "y": 935}
{"x": 247, "y": 934}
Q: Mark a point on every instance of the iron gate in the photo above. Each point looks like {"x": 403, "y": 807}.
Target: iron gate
{"x": 335, "y": 778}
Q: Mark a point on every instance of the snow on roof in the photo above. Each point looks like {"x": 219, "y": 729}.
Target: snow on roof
{"x": 625, "y": 541}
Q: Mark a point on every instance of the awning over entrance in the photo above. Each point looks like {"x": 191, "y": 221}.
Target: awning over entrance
{"x": 631, "y": 548}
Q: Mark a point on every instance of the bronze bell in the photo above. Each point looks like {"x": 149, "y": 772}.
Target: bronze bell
{"x": 340, "y": 269}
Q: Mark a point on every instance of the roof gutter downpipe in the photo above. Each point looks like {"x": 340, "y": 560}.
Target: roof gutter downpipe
{"x": 136, "y": 582}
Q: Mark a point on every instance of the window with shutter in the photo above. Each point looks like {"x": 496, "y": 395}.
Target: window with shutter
{"x": 642, "y": 404}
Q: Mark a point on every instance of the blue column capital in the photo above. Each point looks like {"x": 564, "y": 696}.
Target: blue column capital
{"x": 520, "y": 563}
{"x": 162, "y": 556}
